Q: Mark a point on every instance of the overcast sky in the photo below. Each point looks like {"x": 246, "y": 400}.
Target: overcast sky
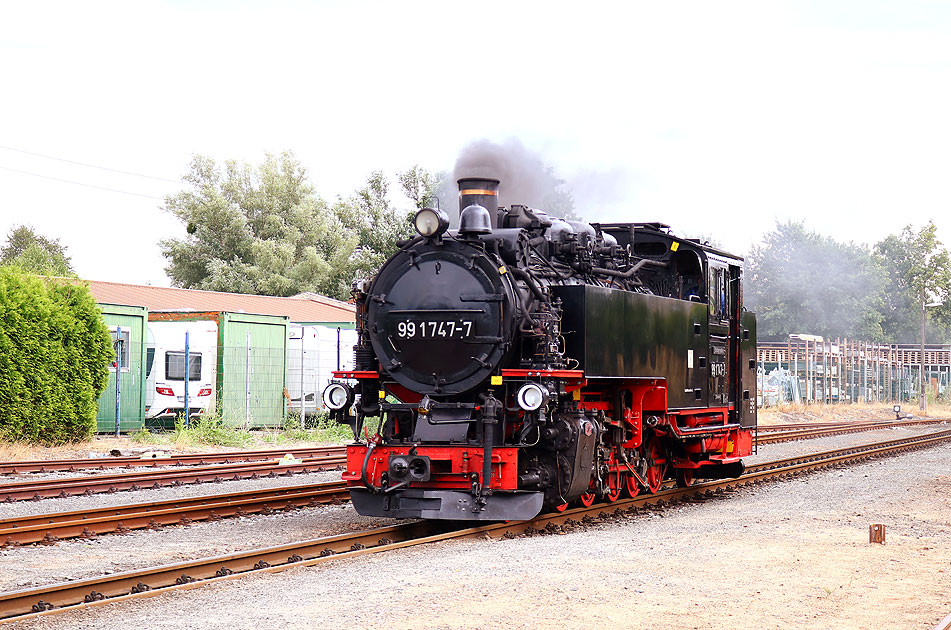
{"x": 718, "y": 118}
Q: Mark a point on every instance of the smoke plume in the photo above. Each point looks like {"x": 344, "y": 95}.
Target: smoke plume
{"x": 525, "y": 178}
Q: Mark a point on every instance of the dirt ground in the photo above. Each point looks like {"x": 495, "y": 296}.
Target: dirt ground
{"x": 788, "y": 414}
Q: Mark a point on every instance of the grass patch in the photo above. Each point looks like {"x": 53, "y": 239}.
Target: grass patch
{"x": 210, "y": 430}
{"x": 319, "y": 428}
{"x": 144, "y": 436}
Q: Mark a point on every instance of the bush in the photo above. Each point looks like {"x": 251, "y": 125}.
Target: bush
{"x": 54, "y": 349}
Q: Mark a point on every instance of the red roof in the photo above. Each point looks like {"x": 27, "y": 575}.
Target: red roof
{"x": 307, "y": 308}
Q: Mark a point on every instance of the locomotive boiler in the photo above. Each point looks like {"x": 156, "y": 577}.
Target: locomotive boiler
{"x": 522, "y": 362}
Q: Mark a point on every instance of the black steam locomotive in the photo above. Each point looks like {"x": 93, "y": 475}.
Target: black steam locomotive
{"x": 523, "y": 362}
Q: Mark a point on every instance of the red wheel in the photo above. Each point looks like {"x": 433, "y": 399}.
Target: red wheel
{"x": 684, "y": 477}
{"x": 614, "y": 486}
{"x": 614, "y": 480}
{"x": 633, "y": 485}
{"x": 561, "y": 508}
{"x": 656, "y": 464}
{"x": 586, "y": 499}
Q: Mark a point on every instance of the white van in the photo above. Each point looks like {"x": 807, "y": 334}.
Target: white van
{"x": 313, "y": 353}
{"x": 165, "y": 366}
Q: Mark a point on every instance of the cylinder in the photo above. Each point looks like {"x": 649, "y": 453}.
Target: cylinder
{"x": 479, "y": 191}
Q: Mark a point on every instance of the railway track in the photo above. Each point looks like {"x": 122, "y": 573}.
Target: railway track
{"x": 51, "y": 528}
{"x": 773, "y": 436}
{"x": 54, "y": 598}
{"x": 335, "y": 453}
{"x": 204, "y": 467}
{"x": 96, "y": 484}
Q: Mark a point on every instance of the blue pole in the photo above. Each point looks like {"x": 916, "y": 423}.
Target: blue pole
{"x": 187, "y": 376}
{"x": 118, "y": 365}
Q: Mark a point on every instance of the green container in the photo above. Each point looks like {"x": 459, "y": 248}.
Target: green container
{"x": 132, "y": 320}
{"x": 252, "y": 369}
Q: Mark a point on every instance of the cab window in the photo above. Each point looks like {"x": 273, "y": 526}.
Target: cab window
{"x": 719, "y": 293}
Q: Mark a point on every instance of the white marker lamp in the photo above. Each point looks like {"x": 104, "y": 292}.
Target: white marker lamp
{"x": 431, "y": 222}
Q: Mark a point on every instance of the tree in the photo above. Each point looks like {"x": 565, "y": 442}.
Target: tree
{"x": 421, "y": 186}
{"x": 799, "y": 281}
{"x": 918, "y": 274}
{"x": 377, "y": 224}
{"x": 259, "y": 230}
{"x": 54, "y": 349}
{"x": 559, "y": 201}
{"x": 35, "y": 253}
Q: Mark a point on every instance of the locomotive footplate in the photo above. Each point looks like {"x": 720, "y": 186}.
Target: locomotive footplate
{"x": 455, "y": 505}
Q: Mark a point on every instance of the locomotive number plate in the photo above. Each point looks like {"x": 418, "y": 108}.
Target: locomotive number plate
{"x": 453, "y": 328}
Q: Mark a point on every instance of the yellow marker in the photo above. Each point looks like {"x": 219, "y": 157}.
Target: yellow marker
{"x": 674, "y": 246}
{"x": 576, "y": 395}
{"x": 502, "y": 269}
{"x": 496, "y": 379}
{"x": 382, "y": 394}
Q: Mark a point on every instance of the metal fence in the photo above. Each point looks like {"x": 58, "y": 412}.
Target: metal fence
{"x": 313, "y": 354}
{"x": 809, "y": 369}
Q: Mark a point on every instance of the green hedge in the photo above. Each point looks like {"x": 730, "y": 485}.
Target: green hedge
{"x": 54, "y": 351}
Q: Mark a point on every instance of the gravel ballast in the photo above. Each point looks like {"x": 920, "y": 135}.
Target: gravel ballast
{"x": 105, "y": 499}
{"x": 786, "y": 554}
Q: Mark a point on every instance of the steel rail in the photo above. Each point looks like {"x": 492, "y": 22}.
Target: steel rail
{"x": 191, "y": 459}
{"x": 93, "y": 484}
{"x": 798, "y": 426}
{"x": 837, "y": 429}
{"x": 795, "y": 426}
{"x": 51, "y": 528}
{"x": 55, "y": 598}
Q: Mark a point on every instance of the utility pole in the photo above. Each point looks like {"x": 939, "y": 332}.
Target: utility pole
{"x": 923, "y": 400}
{"x": 923, "y": 395}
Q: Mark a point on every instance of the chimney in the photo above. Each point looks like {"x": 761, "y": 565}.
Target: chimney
{"x": 479, "y": 191}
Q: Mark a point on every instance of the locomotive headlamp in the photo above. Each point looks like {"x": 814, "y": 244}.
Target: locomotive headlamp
{"x": 531, "y": 397}
{"x": 338, "y": 396}
{"x": 430, "y": 222}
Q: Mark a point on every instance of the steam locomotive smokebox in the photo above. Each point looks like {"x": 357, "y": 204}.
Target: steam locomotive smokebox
{"x": 479, "y": 191}
{"x": 614, "y": 333}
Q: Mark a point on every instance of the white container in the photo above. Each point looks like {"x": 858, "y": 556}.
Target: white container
{"x": 313, "y": 354}
{"x": 165, "y": 365}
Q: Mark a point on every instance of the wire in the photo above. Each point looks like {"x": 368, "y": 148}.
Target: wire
{"x": 66, "y": 181}
{"x": 104, "y": 168}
